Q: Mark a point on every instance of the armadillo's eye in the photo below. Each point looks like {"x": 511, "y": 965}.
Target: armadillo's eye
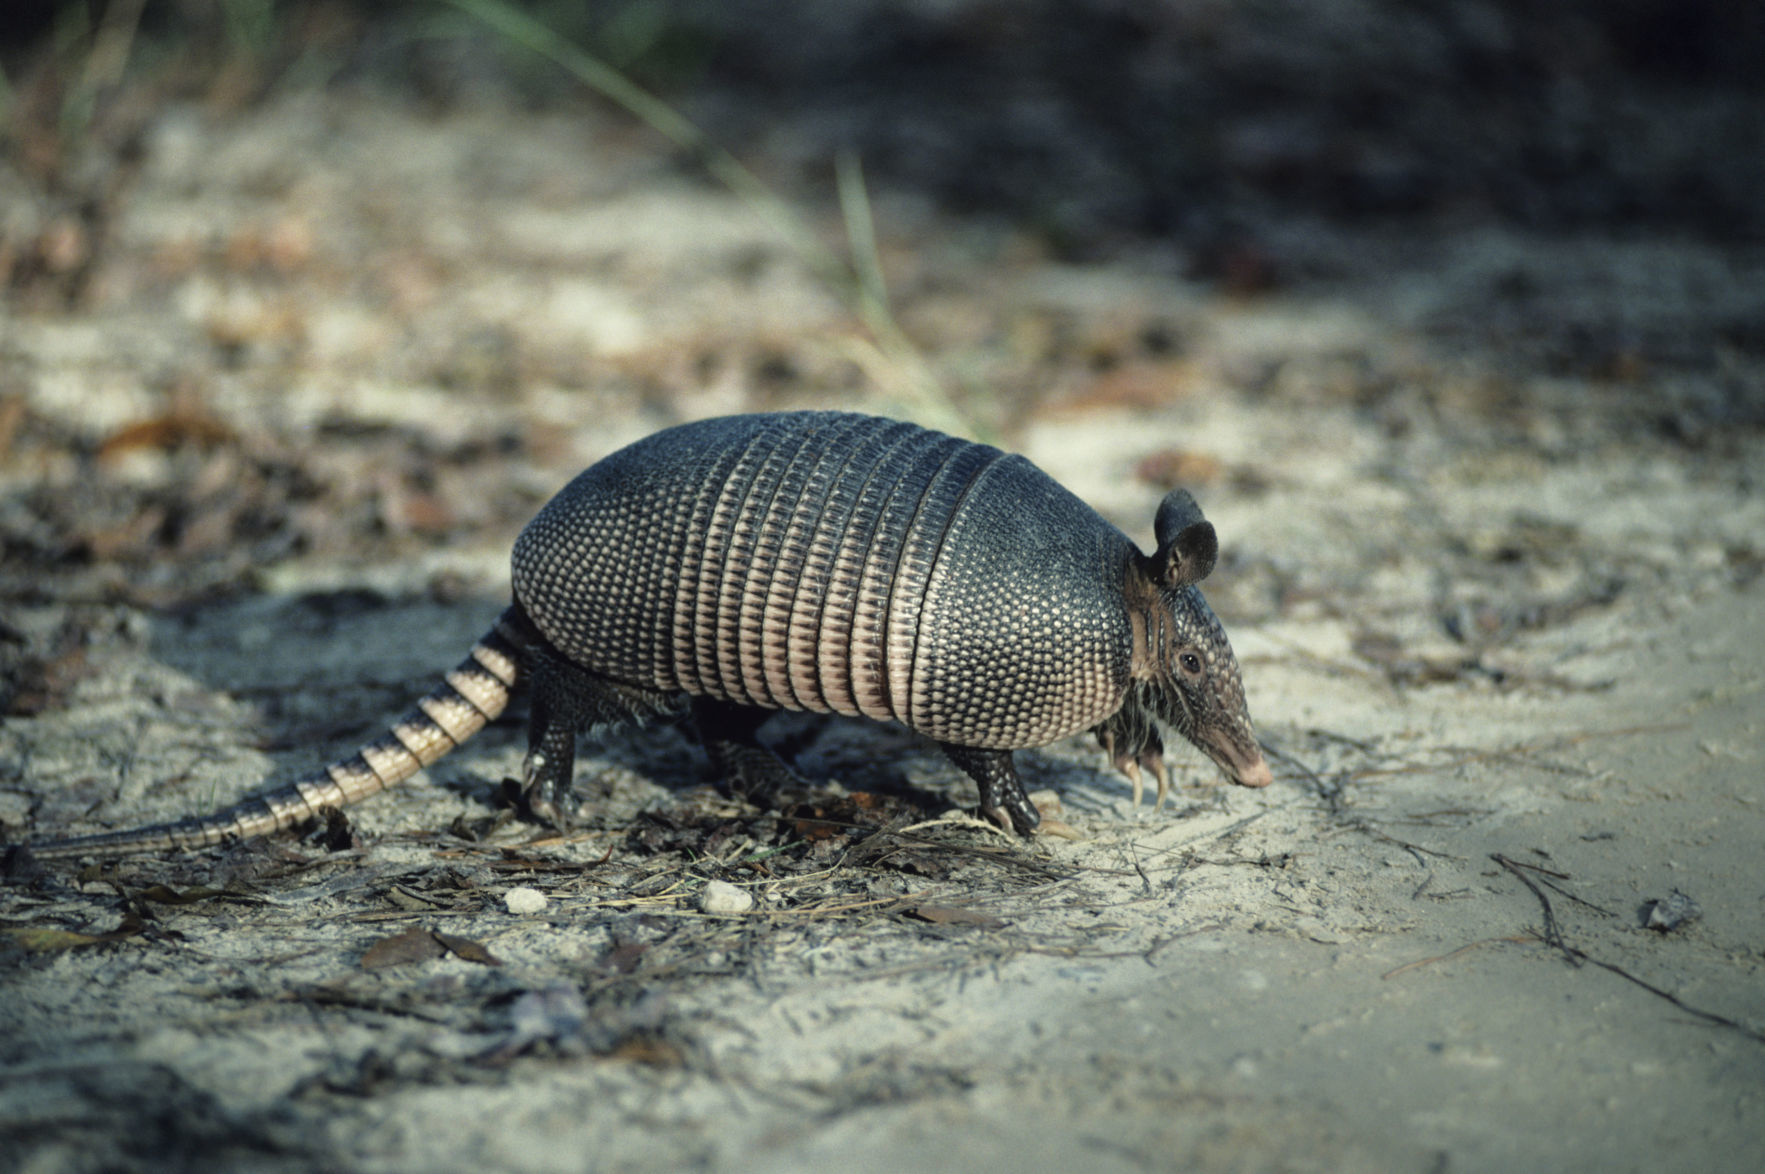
{"x": 1190, "y": 662}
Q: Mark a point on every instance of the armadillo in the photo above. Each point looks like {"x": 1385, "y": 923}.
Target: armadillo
{"x": 824, "y": 562}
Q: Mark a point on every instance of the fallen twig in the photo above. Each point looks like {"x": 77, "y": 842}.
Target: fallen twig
{"x": 1465, "y": 949}
{"x": 1553, "y": 936}
{"x": 1329, "y": 792}
{"x": 1511, "y": 864}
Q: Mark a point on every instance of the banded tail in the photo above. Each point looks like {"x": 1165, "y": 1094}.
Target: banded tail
{"x": 469, "y": 697}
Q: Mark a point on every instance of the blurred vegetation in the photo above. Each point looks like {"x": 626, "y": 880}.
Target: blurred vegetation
{"x": 1098, "y": 121}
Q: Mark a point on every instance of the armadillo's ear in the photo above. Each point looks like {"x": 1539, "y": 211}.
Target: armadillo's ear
{"x": 1187, "y": 545}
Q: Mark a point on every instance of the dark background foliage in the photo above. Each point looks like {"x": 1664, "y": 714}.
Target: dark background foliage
{"x": 1105, "y": 120}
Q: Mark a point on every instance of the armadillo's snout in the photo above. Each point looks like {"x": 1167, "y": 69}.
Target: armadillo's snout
{"x": 1242, "y": 759}
{"x": 1253, "y": 774}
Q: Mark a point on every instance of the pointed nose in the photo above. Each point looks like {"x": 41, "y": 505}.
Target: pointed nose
{"x": 1255, "y": 774}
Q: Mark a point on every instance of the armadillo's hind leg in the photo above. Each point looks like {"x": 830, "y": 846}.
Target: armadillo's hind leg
{"x": 1002, "y": 794}
{"x": 569, "y": 700}
{"x": 550, "y": 765}
{"x": 728, "y": 734}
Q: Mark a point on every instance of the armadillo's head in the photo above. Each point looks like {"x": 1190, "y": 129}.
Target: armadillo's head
{"x": 1196, "y": 686}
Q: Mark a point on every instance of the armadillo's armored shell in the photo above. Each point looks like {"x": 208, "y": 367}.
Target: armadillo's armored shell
{"x": 833, "y": 562}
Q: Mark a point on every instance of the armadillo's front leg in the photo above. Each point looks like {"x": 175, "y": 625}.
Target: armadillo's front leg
{"x": 567, "y": 700}
{"x": 1133, "y": 744}
{"x": 1002, "y": 794}
{"x": 727, "y": 732}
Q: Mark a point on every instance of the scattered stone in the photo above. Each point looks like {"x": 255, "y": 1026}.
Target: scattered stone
{"x": 1668, "y": 914}
{"x": 723, "y": 897}
{"x": 524, "y": 900}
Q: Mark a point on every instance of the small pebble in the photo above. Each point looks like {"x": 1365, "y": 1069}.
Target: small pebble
{"x": 1668, "y": 914}
{"x": 722, "y": 897}
{"x": 524, "y": 900}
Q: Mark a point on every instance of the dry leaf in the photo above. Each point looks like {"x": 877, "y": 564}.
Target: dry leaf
{"x": 166, "y": 432}
{"x": 1059, "y": 829}
{"x": 624, "y": 957}
{"x": 45, "y": 941}
{"x": 466, "y": 949}
{"x": 952, "y": 915}
{"x": 413, "y": 945}
{"x": 645, "y": 1049}
{"x": 166, "y": 895}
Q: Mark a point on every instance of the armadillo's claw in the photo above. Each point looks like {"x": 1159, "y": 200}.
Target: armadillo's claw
{"x": 544, "y": 795}
{"x": 538, "y": 805}
{"x": 1022, "y": 813}
{"x": 1136, "y": 750}
{"x": 1156, "y": 765}
{"x": 1022, "y": 818}
{"x": 1002, "y": 795}
{"x": 1132, "y": 769}
{"x": 1152, "y": 760}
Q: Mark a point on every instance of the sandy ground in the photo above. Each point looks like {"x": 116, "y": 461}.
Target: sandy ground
{"x": 1491, "y": 532}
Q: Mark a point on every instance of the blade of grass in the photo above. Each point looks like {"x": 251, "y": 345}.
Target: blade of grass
{"x": 873, "y": 293}
{"x": 521, "y": 29}
{"x": 892, "y": 357}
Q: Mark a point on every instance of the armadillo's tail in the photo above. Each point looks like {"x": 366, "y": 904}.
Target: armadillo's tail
{"x": 471, "y": 696}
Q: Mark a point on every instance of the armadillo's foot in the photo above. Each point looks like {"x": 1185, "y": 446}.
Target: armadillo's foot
{"x": 1016, "y": 814}
{"x": 567, "y": 699}
{"x": 1002, "y": 795}
{"x": 1154, "y": 762}
{"x": 544, "y": 795}
{"x": 748, "y": 769}
{"x": 753, "y": 772}
{"x": 1133, "y": 749}
{"x": 18, "y": 863}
